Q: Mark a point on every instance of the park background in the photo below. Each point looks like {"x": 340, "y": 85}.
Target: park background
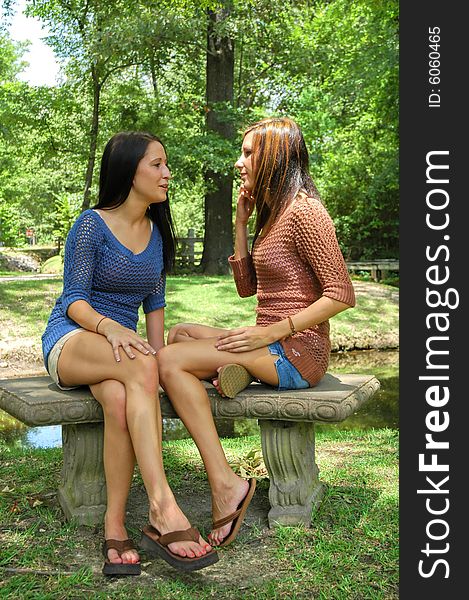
{"x": 196, "y": 73}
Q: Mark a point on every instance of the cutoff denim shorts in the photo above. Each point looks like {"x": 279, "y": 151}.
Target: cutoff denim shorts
{"x": 289, "y": 377}
{"x": 53, "y": 358}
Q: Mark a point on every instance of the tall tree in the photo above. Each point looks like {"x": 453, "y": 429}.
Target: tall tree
{"x": 218, "y": 235}
{"x": 84, "y": 33}
{"x": 330, "y": 64}
{"x": 100, "y": 40}
{"x": 348, "y": 107}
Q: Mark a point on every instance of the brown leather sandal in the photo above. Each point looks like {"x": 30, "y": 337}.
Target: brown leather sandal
{"x": 237, "y": 517}
{"x": 157, "y": 545}
{"x": 120, "y": 569}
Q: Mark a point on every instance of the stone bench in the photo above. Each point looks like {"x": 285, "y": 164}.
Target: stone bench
{"x": 286, "y": 421}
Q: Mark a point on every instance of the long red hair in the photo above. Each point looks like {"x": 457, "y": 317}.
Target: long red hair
{"x": 281, "y": 168}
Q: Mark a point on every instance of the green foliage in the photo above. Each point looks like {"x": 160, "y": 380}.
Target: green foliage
{"x": 67, "y": 209}
{"x": 11, "y": 224}
{"x": 10, "y": 58}
{"x": 331, "y": 65}
{"x": 38, "y": 147}
{"x": 54, "y": 265}
{"x": 349, "y": 112}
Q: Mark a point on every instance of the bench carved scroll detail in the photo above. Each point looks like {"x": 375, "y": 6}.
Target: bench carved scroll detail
{"x": 82, "y": 490}
{"x": 289, "y": 454}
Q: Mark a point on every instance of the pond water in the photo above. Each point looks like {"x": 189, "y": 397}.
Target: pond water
{"x": 381, "y": 411}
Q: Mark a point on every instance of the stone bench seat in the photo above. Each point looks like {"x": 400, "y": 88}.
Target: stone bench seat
{"x": 286, "y": 420}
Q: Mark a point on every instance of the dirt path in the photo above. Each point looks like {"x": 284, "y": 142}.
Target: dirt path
{"x": 31, "y": 277}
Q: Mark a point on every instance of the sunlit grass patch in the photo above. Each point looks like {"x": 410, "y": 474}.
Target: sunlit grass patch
{"x": 25, "y": 307}
{"x": 350, "y": 552}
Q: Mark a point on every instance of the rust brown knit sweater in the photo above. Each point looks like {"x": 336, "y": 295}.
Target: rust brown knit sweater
{"x": 297, "y": 262}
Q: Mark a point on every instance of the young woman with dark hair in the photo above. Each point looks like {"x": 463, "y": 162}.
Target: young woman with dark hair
{"x": 116, "y": 258}
{"x": 301, "y": 280}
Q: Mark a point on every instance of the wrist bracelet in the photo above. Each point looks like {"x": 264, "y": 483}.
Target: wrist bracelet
{"x": 292, "y": 327}
{"x": 100, "y": 320}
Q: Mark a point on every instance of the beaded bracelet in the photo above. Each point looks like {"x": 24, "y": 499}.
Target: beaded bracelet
{"x": 292, "y": 327}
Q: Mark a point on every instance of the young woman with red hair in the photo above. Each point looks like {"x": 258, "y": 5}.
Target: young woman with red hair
{"x": 299, "y": 275}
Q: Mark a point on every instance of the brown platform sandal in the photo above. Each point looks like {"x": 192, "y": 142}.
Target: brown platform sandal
{"x": 237, "y": 517}
{"x": 157, "y": 545}
{"x": 233, "y": 378}
{"x": 120, "y": 569}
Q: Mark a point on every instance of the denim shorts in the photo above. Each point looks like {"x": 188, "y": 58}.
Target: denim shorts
{"x": 289, "y": 377}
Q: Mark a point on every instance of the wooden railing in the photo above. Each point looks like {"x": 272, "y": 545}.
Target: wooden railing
{"x": 190, "y": 248}
{"x": 379, "y": 268}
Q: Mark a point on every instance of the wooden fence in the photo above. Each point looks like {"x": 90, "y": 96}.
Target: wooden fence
{"x": 190, "y": 248}
{"x": 379, "y": 268}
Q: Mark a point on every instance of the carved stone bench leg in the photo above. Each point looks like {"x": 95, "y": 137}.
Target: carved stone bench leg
{"x": 82, "y": 491}
{"x": 289, "y": 455}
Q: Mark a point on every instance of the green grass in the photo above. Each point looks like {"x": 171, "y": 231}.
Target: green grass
{"x": 392, "y": 278}
{"x": 25, "y": 307}
{"x": 371, "y": 314}
{"x": 54, "y": 264}
{"x": 373, "y": 323}
{"x": 7, "y": 273}
{"x": 349, "y": 553}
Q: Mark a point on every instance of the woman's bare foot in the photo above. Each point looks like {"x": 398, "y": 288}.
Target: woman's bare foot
{"x": 171, "y": 518}
{"x": 216, "y": 384}
{"x": 117, "y": 531}
{"x": 225, "y": 503}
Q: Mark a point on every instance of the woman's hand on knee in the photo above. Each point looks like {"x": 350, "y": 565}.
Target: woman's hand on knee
{"x": 244, "y": 339}
{"x": 119, "y": 336}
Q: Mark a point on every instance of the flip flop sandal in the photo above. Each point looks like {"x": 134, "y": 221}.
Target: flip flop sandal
{"x": 121, "y": 569}
{"x": 237, "y": 517}
{"x": 157, "y": 545}
{"x": 233, "y": 378}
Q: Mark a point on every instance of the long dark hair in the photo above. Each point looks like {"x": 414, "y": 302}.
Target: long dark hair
{"x": 119, "y": 163}
{"x": 281, "y": 168}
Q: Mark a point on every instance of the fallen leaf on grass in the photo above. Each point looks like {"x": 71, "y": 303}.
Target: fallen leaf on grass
{"x": 250, "y": 465}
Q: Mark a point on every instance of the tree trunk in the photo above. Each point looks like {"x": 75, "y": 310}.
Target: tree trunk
{"x": 218, "y": 235}
{"x": 93, "y": 140}
{"x": 151, "y": 60}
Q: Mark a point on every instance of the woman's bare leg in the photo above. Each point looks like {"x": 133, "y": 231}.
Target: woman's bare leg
{"x": 181, "y": 368}
{"x": 119, "y": 462}
{"x": 189, "y": 332}
{"x": 87, "y": 359}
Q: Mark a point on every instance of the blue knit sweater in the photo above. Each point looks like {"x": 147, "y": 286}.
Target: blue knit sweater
{"x": 107, "y": 275}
